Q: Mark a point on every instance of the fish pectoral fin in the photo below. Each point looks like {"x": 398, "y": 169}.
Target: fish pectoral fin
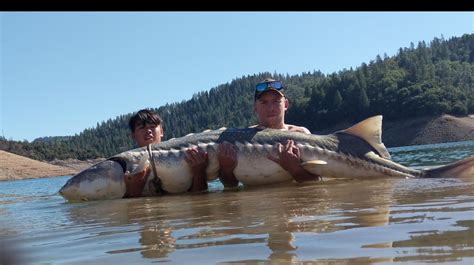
{"x": 314, "y": 162}
{"x": 312, "y": 165}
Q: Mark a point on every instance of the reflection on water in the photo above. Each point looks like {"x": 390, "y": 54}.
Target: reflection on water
{"x": 334, "y": 222}
{"x": 265, "y": 218}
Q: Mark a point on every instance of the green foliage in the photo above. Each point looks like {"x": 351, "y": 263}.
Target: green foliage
{"x": 430, "y": 79}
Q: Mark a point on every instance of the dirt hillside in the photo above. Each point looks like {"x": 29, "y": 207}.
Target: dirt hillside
{"x": 421, "y": 130}
{"x": 428, "y": 130}
{"x": 19, "y": 167}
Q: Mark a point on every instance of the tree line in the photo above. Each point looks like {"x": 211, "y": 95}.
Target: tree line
{"x": 426, "y": 79}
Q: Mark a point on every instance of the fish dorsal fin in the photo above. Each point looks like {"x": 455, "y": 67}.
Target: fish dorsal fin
{"x": 370, "y": 130}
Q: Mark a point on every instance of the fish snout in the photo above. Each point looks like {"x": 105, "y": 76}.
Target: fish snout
{"x": 101, "y": 181}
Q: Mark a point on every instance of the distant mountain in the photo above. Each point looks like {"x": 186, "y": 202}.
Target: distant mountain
{"x": 423, "y": 80}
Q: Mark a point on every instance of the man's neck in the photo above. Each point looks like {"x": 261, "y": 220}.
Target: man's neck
{"x": 281, "y": 126}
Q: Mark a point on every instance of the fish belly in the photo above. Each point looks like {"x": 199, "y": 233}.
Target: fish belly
{"x": 175, "y": 176}
{"x": 259, "y": 170}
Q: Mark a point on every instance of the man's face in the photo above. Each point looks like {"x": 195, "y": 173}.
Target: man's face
{"x": 270, "y": 109}
{"x": 146, "y": 134}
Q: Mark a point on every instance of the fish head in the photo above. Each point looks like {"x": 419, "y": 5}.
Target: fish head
{"x": 101, "y": 181}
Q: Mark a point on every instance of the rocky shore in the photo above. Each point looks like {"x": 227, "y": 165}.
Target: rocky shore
{"x": 414, "y": 131}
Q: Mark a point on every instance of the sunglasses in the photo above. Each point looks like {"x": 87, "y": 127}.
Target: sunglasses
{"x": 277, "y": 85}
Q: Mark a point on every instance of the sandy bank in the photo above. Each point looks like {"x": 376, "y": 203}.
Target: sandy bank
{"x": 19, "y": 167}
{"x": 13, "y": 167}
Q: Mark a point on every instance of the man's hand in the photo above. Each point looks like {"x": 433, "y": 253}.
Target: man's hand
{"x": 227, "y": 157}
{"x": 289, "y": 158}
{"x": 134, "y": 183}
{"x": 198, "y": 161}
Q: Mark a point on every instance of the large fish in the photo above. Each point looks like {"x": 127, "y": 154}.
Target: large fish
{"x": 356, "y": 153}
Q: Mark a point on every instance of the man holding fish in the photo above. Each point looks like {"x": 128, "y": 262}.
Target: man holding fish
{"x": 147, "y": 128}
{"x": 270, "y": 105}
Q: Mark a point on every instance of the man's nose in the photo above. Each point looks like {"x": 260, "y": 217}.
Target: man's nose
{"x": 273, "y": 106}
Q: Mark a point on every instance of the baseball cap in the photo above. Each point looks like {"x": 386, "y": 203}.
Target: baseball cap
{"x": 269, "y": 85}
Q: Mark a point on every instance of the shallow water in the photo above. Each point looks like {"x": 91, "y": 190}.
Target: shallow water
{"x": 414, "y": 221}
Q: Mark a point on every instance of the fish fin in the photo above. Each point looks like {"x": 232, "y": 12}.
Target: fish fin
{"x": 370, "y": 130}
{"x": 311, "y": 165}
{"x": 460, "y": 169}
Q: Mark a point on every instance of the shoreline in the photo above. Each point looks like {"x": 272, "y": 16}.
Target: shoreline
{"x": 15, "y": 167}
{"x": 413, "y": 131}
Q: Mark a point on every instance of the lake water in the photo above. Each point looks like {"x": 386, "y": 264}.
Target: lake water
{"x": 410, "y": 221}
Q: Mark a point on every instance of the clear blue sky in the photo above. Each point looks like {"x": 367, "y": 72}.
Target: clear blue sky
{"x": 63, "y": 72}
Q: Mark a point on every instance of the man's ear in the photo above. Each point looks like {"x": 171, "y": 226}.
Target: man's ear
{"x": 287, "y": 103}
{"x": 162, "y": 131}
{"x": 255, "y": 106}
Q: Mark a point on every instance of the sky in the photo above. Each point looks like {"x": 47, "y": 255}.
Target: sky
{"x": 63, "y": 72}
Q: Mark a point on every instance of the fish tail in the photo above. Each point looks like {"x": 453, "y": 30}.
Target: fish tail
{"x": 460, "y": 169}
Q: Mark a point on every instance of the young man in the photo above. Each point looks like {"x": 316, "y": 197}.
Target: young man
{"x": 270, "y": 105}
{"x": 147, "y": 128}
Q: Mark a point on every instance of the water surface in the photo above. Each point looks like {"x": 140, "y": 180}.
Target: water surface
{"x": 413, "y": 221}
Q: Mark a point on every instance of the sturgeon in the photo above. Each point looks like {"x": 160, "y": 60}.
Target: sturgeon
{"x": 355, "y": 153}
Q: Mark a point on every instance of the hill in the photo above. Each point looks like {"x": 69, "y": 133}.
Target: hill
{"x": 14, "y": 167}
{"x": 428, "y": 130}
{"x": 420, "y": 130}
